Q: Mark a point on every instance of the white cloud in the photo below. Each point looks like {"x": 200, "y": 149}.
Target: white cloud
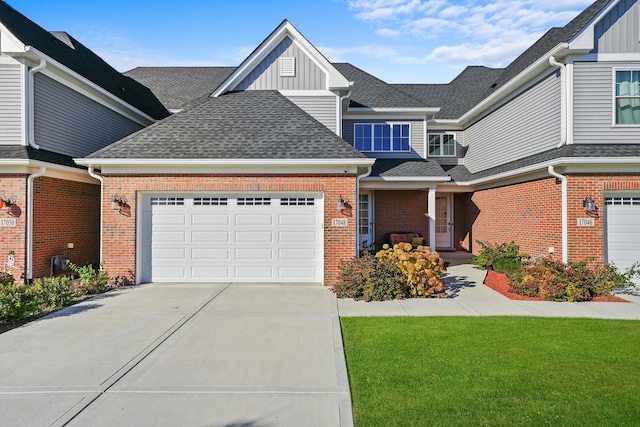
{"x": 388, "y": 32}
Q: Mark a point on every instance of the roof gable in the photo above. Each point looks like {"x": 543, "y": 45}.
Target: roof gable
{"x": 333, "y": 80}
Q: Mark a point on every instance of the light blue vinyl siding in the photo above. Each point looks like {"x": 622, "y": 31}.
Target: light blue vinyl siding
{"x": 10, "y": 104}
{"x": 68, "y": 122}
{"x": 593, "y": 105}
{"x": 322, "y": 108}
{"x": 308, "y": 76}
{"x": 416, "y": 137}
{"x": 526, "y": 125}
{"x": 619, "y": 30}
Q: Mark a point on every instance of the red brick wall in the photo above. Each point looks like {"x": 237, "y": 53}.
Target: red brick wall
{"x": 65, "y": 212}
{"x": 398, "y": 210}
{"x": 14, "y": 238}
{"x": 529, "y": 214}
{"x": 119, "y": 232}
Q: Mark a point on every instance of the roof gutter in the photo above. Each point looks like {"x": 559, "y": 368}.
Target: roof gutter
{"x": 30, "y": 102}
{"x": 366, "y": 161}
{"x": 565, "y": 232}
{"x": 563, "y": 99}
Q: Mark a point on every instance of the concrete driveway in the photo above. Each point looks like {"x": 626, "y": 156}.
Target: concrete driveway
{"x": 180, "y": 355}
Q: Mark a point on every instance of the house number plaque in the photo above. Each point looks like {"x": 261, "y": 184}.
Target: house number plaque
{"x": 586, "y": 222}
{"x": 8, "y": 222}
{"x": 340, "y": 222}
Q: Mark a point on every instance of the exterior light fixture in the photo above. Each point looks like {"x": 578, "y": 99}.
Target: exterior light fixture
{"x": 340, "y": 204}
{"x": 5, "y": 201}
{"x": 344, "y": 207}
{"x": 117, "y": 202}
{"x": 589, "y": 205}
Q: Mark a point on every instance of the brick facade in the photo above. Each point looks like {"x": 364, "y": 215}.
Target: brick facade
{"x": 400, "y": 210}
{"x": 119, "y": 232}
{"x": 14, "y": 238}
{"x": 65, "y": 212}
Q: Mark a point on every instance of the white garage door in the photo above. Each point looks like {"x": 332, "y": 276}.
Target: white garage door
{"x": 232, "y": 238}
{"x": 622, "y": 222}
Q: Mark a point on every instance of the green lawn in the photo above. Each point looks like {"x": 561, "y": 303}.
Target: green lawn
{"x": 493, "y": 371}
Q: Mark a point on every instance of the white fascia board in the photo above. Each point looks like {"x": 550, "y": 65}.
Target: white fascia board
{"x": 81, "y": 84}
{"x": 395, "y": 185}
{"x": 407, "y": 179}
{"x": 515, "y": 83}
{"x": 334, "y": 80}
{"x": 364, "y": 161}
{"x": 596, "y": 163}
{"x": 321, "y": 92}
{"x": 27, "y": 166}
{"x": 388, "y": 110}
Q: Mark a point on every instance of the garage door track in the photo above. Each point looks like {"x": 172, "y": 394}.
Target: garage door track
{"x": 180, "y": 354}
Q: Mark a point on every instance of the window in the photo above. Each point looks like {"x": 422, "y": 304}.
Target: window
{"x": 627, "y": 99}
{"x": 381, "y": 136}
{"x": 442, "y": 144}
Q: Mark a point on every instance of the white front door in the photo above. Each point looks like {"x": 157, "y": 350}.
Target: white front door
{"x": 365, "y": 220}
{"x": 444, "y": 221}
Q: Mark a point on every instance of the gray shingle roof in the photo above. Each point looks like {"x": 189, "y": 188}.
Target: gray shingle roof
{"x": 408, "y": 168}
{"x": 457, "y": 97}
{"x": 238, "y": 125}
{"x": 20, "y": 152}
{"x": 370, "y": 91}
{"x": 460, "y": 173}
{"x": 81, "y": 60}
{"x": 177, "y": 86}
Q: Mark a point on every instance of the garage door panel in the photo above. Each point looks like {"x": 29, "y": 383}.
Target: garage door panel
{"x": 209, "y": 219}
{"x": 622, "y": 228}
{"x": 254, "y": 237}
{"x": 250, "y": 239}
{"x": 213, "y": 254}
{"x": 297, "y": 237}
{"x": 160, "y": 237}
{"x": 256, "y": 219}
{"x": 210, "y": 237}
{"x": 297, "y": 219}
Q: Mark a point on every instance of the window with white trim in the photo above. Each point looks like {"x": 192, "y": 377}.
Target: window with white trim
{"x": 381, "y": 136}
{"x": 442, "y": 144}
{"x": 627, "y": 97}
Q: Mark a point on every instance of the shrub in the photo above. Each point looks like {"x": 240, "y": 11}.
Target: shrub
{"x": 503, "y": 257}
{"x": 56, "y": 292}
{"x": 367, "y": 278}
{"x": 574, "y": 281}
{"x": 93, "y": 281}
{"x": 421, "y": 267}
{"x": 18, "y": 301}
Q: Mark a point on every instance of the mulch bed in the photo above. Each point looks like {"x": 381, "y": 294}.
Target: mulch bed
{"x": 499, "y": 283}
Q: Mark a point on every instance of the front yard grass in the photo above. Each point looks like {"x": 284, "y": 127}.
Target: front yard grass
{"x": 493, "y": 371}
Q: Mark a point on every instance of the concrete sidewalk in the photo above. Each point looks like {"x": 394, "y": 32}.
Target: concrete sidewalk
{"x": 472, "y": 298}
{"x": 180, "y": 355}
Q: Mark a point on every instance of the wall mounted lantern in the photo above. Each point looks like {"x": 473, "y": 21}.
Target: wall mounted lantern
{"x": 10, "y": 204}
{"x": 120, "y": 204}
{"x": 344, "y": 207}
{"x": 590, "y": 206}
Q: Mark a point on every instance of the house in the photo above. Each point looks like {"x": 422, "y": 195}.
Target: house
{"x": 58, "y": 101}
{"x": 278, "y": 169}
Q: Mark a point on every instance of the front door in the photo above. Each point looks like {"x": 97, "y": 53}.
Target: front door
{"x": 444, "y": 221}
{"x": 365, "y": 220}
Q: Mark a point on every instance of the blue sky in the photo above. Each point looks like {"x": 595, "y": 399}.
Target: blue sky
{"x": 399, "y": 41}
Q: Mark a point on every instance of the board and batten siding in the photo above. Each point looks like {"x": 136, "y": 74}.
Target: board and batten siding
{"x": 10, "y": 104}
{"x": 593, "y": 88}
{"x": 266, "y": 76}
{"x": 526, "y": 125}
{"x": 322, "y": 108}
{"x": 416, "y": 136}
{"x": 619, "y": 30}
{"x": 70, "y": 123}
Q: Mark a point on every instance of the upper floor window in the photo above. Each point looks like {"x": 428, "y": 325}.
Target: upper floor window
{"x": 381, "y": 136}
{"x": 627, "y": 102}
{"x": 442, "y": 144}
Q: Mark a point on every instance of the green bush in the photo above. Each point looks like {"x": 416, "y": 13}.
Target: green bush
{"x": 18, "y": 301}
{"x": 574, "y": 281}
{"x": 503, "y": 257}
{"x": 93, "y": 281}
{"x": 421, "y": 267}
{"x": 367, "y": 278}
{"x": 56, "y": 292}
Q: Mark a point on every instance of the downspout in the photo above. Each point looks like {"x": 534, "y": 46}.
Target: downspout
{"x": 30, "y": 101}
{"x": 563, "y": 100}
{"x": 30, "y": 179}
{"x": 565, "y": 240}
{"x": 340, "y": 99}
{"x": 101, "y": 179}
{"x": 357, "y": 201}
